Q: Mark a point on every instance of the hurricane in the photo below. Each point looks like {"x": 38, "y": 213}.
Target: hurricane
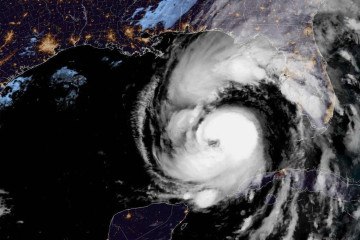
{"x": 216, "y": 109}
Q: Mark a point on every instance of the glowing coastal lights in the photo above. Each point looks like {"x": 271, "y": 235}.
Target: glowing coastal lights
{"x": 48, "y": 44}
{"x": 128, "y": 216}
{"x": 129, "y": 32}
{"x": 9, "y": 37}
{"x": 111, "y": 37}
{"x": 73, "y": 40}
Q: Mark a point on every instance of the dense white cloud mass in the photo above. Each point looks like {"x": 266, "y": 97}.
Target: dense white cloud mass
{"x": 12, "y": 88}
{"x": 213, "y": 60}
{"x": 4, "y": 209}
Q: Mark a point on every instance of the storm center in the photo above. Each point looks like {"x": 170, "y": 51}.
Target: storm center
{"x": 232, "y": 132}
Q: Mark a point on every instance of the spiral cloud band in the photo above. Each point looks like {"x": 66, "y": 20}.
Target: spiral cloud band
{"x": 210, "y": 99}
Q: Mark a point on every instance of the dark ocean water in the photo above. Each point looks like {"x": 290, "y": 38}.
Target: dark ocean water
{"x": 68, "y": 157}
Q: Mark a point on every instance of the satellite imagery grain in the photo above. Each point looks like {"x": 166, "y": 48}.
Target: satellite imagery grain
{"x": 179, "y": 119}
